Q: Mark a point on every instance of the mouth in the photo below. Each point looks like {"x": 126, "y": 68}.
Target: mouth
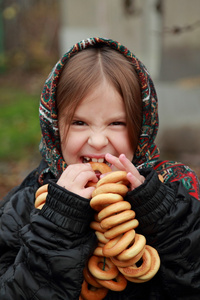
{"x": 86, "y": 159}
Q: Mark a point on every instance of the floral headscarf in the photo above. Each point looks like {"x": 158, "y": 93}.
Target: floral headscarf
{"x": 146, "y": 154}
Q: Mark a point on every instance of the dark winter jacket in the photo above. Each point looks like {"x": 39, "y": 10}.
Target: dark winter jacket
{"x": 43, "y": 252}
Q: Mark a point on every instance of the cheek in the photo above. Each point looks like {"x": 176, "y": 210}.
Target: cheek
{"x": 71, "y": 147}
{"x": 122, "y": 144}
{"x": 69, "y": 144}
{"x": 68, "y": 149}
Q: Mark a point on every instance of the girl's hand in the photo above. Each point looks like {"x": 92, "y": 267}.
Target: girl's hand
{"x": 124, "y": 164}
{"x": 75, "y": 178}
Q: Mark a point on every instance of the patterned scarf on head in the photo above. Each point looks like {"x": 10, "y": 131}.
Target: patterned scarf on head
{"x": 50, "y": 142}
{"x": 146, "y": 154}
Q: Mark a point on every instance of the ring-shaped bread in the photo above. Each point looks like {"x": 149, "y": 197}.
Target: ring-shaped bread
{"x": 129, "y": 262}
{"x": 121, "y": 228}
{"x": 114, "y": 188}
{"x": 118, "y": 244}
{"x": 100, "y": 201}
{"x": 134, "y": 271}
{"x": 91, "y": 294}
{"x": 41, "y": 189}
{"x": 110, "y": 272}
{"x": 40, "y": 200}
{"x": 117, "y": 219}
{"x": 114, "y": 177}
{"x": 96, "y": 226}
{"x": 137, "y": 245}
{"x": 118, "y": 284}
{"x": 113, "y": 209}
{"x": 155, "y": 264}
{"x": 90, "y": 278}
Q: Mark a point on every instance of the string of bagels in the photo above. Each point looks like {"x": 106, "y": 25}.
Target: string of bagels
{"x": 121, "y": 253}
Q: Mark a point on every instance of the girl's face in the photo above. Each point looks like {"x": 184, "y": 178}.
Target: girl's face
{"x": 98, "y": 127}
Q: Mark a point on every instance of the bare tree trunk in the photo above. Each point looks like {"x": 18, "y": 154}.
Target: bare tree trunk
{"x": 152, "y": 36}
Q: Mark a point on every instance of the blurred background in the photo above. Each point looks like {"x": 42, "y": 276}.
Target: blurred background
{"x": 164, "y": 34}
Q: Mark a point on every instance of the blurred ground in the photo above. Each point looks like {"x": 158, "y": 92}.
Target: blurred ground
{"x": 13, "y": 171}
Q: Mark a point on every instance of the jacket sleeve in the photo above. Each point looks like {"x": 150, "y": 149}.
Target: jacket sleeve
{"x": 43, "y": 252}
{"x": 169, "y": 218}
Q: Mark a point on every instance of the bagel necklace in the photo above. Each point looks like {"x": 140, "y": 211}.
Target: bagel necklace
{"x": 121, "y": 253}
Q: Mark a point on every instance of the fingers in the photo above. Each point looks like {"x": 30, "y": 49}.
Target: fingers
{"x": 123, "y": 163}
{"x": 134, "y": 181}
{"x": 75, "y": 178}
{"x": 133, "y": 174}
{"x": 115, "y": 162}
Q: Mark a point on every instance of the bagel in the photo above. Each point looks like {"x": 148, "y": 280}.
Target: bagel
{"x": 100, "y": 168}
{"x": 98, "y": 202}
{"x": 98, "y": 250}
{"x": 129, "y": 262}
{"x": 135, "y": 279}
{"x": 134, "y": 271}
{"x": 110, "y": 272}
{"x": 90, "y": 278}
{"x": 93, "y": 293}
{"x": 96, "y": 226}
{"x": 41, "y": 206}
{"x": 114, "y": 177}
{"x": 42, "y": 189}
{"x": 118, "y": 244}
{"x": 113, "y": 209}
{"x": 114, "y": 188}
{"x": 121, "y": 254}
{"x": 137, "y": 245}
{"x": 100, "y": 236}
{"x": 117, "y": 219}
{"x": 121, "y": 228}
{"x": 155, "y": 264}
{"x": 118, "y": 284}
{"x": 40, "y": 200}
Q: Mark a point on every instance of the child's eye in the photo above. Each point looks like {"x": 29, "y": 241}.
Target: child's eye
{"x": 118, "y": 123}
{"x": 78, "y": 123}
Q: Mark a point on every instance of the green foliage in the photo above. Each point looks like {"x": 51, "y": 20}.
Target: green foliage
{"x": 19, "y": 124}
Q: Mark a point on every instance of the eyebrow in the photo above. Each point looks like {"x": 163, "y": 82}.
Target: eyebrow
{"x": 117, "y": 116}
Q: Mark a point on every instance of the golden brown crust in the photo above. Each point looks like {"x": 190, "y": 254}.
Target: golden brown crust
{"x": 42, "y": 189}
{"x": 101, "y": 167}
{"x": 114, "y": 177}
{"x": 119, "y": 244}
{"x": 40, "y": 200}
{"x": 94, "y": 293}
{"x": 134, "y": 271}
{"x": 118, "y": 284}
{"x": 110, "y": 272}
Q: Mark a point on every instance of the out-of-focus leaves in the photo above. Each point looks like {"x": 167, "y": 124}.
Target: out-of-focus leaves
{"x": 30, "y": 34}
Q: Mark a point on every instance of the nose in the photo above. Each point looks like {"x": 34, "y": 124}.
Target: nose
{"x": 98, "y": 140}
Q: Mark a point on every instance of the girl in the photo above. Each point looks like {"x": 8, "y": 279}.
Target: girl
{"x": 98, "y": 104}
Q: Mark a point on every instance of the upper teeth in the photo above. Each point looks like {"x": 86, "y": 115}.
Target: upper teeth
{"x": 100, "y": 160}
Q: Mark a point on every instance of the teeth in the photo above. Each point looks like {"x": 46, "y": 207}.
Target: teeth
{"x": 87, "y": 159}
{"x": 101, "y": 160}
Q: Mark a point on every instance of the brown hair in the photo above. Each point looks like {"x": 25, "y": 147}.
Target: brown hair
{"x": 85, "y": 70}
